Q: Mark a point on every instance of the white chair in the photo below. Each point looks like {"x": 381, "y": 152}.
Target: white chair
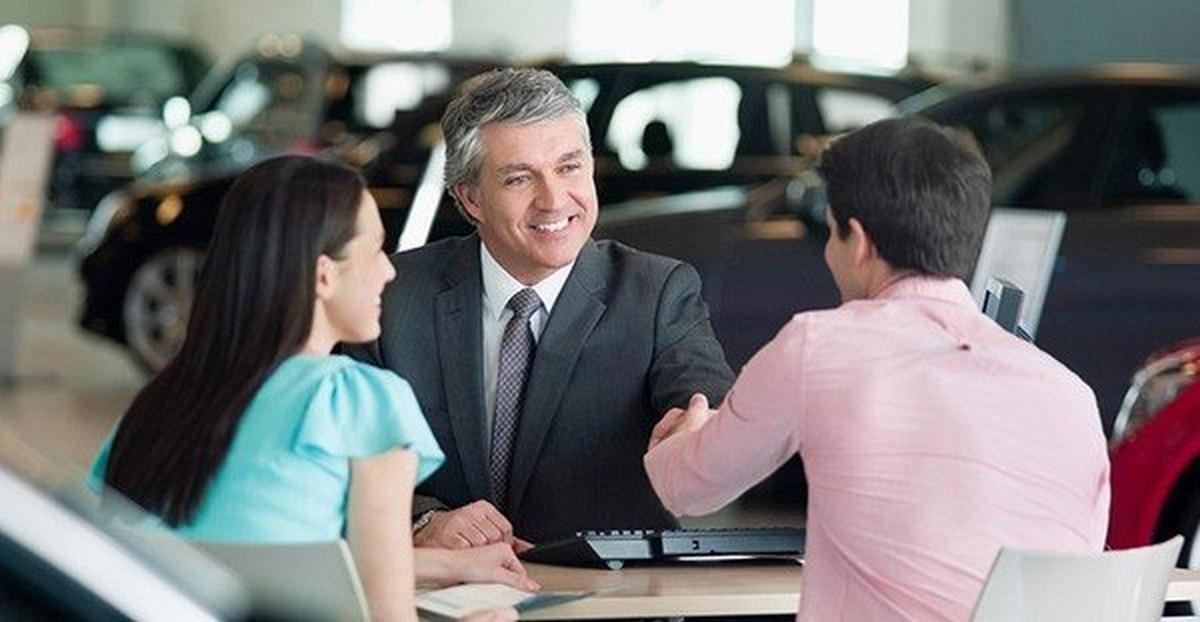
{"x": 1114, "y": 586}
{"x": 304, "y": 581}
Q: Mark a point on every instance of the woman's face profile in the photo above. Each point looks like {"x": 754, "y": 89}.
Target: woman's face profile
{"x": 354, "y": 307}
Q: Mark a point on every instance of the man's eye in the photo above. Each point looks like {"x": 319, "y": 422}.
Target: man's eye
{"x": 515, "y": 181}
{"x": 570, "y": 167}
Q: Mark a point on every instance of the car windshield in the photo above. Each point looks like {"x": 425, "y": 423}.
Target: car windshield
{"x": 120, "y": 73}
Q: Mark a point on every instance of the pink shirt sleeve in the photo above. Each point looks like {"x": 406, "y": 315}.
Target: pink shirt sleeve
{"x": 756, "y": 430}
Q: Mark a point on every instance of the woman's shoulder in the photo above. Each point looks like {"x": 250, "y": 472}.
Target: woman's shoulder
{"x": 338, "y": 369}
{"x": 357, "y": 409}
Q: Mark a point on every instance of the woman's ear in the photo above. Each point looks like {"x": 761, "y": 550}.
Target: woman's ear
{"x": 326, "y": 277}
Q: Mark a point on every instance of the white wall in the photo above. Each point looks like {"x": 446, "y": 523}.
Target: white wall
{"x": 943, "y": 33}
{"x": 224, "y": 28}
{"x": 1067, "y": 33}
{"x": 953, "y": 33}
{"x": 521, "y": 30}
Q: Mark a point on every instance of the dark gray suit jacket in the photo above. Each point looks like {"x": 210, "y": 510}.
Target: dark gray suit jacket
{"x": 627, "y": 339}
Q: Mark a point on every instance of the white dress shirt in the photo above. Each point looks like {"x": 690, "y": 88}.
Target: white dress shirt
{"x": 498, "y": 287}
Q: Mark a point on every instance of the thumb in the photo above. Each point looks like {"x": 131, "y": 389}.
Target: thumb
{"x": 699, "y": 400}
{"x": 519, "y": 581}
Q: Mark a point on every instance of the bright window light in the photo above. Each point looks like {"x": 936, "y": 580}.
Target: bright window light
{"x": 865, "y": 33}
{"x": 745, "y": 32}
{"x": 396, "y": 25}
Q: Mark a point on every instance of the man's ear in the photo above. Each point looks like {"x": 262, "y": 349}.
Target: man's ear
{"x": 467, "y": 199}
{"x": 863, "y": 246}
{"x": 326, "y": 277}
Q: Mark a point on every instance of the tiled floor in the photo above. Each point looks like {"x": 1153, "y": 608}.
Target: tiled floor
{"x": 73, "y": 386}
{"x": 70, "y": 386}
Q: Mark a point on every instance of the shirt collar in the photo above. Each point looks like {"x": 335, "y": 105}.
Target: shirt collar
{"x": 499, "y": 286}
{"x": 922, "y": 286}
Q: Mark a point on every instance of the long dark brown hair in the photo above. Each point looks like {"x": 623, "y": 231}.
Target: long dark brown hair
{"x": 253, "y": 309}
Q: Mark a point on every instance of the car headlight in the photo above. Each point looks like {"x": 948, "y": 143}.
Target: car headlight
{"x": 1153, "y": 387}
{"x": 112, "y": 210}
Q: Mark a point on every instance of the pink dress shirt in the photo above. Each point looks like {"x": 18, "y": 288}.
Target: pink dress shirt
{"x": 930, "y": 436}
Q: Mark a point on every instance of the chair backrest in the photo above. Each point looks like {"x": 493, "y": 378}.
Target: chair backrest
{"x": 304, "y": 581}
{"x": 1124, "y": 586}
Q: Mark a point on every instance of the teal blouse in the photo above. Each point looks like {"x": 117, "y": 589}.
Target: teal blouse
{"x": 286, "y": 477}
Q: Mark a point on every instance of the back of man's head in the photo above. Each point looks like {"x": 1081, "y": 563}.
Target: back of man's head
{"x": 920, "y": 191}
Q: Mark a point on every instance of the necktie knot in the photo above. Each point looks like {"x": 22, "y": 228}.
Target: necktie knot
{"x": 525, "y": 303}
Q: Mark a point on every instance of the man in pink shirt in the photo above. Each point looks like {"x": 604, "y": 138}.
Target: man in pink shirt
{"x": 930, "y": 436}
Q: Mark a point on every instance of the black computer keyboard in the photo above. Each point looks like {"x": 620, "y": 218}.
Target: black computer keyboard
{"x": 613, "y": 548}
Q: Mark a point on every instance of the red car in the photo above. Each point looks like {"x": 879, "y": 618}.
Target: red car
{"x": 1155, "y": 451}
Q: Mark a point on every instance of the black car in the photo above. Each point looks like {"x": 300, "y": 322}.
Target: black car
{"x": 144, "y": 245}
{"x": 290, "y": 95}
{"x": 107, "y": 90}
{"x": 144, "y": 248}
{"x": 1117, "y": 148}
{"x": 668, "y": 127}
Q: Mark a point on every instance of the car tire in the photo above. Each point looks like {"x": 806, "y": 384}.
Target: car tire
{"x": 157, "y": 304}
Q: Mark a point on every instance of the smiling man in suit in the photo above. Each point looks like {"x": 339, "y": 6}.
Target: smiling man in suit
{"x": 540, "y": 357}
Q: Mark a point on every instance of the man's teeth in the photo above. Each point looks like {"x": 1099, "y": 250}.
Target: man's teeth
{"x": 557, "y": 225}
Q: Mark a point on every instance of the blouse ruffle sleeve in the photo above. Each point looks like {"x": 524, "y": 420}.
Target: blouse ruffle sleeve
{"x": 360, "y": 411}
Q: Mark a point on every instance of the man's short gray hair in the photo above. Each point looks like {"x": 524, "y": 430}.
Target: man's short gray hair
{"x": 518, "y": 96}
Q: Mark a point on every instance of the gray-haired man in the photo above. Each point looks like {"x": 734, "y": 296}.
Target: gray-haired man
{"x": 541, "y": 358}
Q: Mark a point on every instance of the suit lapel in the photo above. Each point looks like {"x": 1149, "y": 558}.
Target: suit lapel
{"x": 460, "y": 350}
{"x": 576, "y": 311}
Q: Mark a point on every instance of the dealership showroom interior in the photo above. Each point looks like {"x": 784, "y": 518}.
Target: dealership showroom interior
{"x": 600, "y": 309}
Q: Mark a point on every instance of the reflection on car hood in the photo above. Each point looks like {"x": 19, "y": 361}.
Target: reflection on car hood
{"x": 715, "y": 199}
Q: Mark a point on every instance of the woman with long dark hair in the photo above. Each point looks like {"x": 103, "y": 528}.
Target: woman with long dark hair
{"x": 255, "y": 432}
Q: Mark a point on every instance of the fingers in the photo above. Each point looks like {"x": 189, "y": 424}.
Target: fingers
{"x": 664, "y": 427}
{"x": 677, "y": 420}
{"x": 520, "y": 546}
{"x": 494, "y": 523}
{"x": 476, "y": 524}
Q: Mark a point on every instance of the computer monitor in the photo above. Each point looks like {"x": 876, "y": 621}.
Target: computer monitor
{"x": 1020, "y": 247}
{"x": 1002, "y": 302}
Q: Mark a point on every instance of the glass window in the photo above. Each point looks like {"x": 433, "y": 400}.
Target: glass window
{"x": 689, "y": 124}
{"x": 585, "y": 90}
{"x": 268, "y": 101}
{"x": 640, "y": 30}
{"x": 871, "y": 33}
{"x": 385, "y": 88}
{"x": 385, "y": 25}
{"x": 1025, "y": 140}
{"x": 121, "y": 73}
{"x": 843, "y": 109}
{"x": 1158, "y": 153}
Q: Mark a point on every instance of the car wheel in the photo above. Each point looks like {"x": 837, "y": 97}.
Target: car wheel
{"x": 157, "y": 304}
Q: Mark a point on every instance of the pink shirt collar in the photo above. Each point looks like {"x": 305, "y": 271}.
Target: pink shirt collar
{"x": 946, "y": 289}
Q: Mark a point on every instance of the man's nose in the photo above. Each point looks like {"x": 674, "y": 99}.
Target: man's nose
{"x": 552, "y": 194}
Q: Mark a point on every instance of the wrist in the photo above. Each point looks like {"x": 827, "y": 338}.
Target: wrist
{"x": 422, "y": 520}
{"x": 433, "y": 566}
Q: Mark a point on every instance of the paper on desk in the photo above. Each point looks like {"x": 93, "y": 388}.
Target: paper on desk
{"x": 462, "y": 600}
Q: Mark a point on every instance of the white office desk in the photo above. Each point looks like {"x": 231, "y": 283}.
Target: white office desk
{"x": 705, "y": 590}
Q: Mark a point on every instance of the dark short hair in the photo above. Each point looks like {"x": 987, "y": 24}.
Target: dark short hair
{"x": 920, "y": 190}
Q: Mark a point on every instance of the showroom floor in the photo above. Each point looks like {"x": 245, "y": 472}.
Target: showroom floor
{"x": 72, "y": 386}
